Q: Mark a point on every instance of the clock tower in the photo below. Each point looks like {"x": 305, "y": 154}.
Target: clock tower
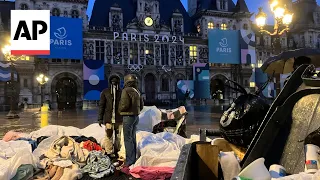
{"x": 148, "y": 13}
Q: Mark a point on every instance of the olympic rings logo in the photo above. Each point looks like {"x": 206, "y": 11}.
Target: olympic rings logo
{"x": 135, "y": 67}
{"x": 166, "y": 69}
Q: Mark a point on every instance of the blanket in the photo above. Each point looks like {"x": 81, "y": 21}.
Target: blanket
{"x": 159, "y": 154}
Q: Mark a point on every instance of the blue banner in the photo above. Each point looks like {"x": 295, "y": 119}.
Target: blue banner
{"x": 93, "y": 79}
{"x": 5, "y": 72}
{"x": 201, "y": 72}
{"x": 65, "y": 38}
{"x": 224, "y": 46}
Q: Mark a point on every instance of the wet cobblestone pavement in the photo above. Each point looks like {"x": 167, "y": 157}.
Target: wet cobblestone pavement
{"x": 198, "y": 117}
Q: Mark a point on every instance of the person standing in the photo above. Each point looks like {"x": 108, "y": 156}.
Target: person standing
{"x": 109, "y": 115}
{"x": 130, "y": 105}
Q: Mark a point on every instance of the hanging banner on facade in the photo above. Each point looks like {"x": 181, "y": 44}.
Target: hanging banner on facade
{"x": 247, "y": 46}
{"x": 93, "y": 79}
{"x": 201, "y": 72}
{"x": 224, "y": 46}
{"x": 201, "y": 78}
{"x": 185, "y": 89}
{"x": 5, "y": 72}
{"x": 65, "y": 38}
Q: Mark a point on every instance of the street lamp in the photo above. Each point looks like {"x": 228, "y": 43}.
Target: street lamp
{"x": 6, "y": 50}
{"x": 42, "y": 80}
{"x": 283, "y": 19}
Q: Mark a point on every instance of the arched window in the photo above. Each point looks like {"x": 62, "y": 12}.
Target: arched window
{"x": 55, "y": 12}
{"x": 198, "y": 28}
{"x": 165, "y": 83}
{"x": 75, "y": 14}
{"x": 210, "y": 25}
{"x": 24, "y": 7}
{"x": 245, "y": 26}
{"x": 223, "y": 26}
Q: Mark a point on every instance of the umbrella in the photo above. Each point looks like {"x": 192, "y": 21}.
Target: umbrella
{"x": 283, "y": 63}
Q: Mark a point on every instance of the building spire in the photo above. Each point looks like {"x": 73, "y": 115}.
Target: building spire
{"x": 241, "y": 6}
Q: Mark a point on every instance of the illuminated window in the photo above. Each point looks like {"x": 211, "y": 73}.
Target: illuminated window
{"x": 198, "y": 28}
{"x": 55, "y": 12}
{"x": 259, "y": 63}
{"x": 193, "y": 54}
{"x": 210, "y": 25}
{"x": 223, "y": 26}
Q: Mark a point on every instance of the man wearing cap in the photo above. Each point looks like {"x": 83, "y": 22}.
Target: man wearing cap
{"x": 130, "y": 105}
{"x": 109, "y": 115}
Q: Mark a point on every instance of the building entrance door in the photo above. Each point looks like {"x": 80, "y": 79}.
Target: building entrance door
{"x": 150, "y": 87}
{"x": 66, "y": 90}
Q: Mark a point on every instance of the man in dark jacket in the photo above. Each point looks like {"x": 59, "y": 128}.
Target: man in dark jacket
{"x": 109, "y": 115}
{"x": 130, "y": 105}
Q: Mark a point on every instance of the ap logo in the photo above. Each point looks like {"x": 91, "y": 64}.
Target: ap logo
{"x": 30, "y": 32}
{"x": 224, "y": 42}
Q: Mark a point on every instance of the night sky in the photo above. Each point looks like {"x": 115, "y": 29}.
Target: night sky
{"x": 253, "y": 6}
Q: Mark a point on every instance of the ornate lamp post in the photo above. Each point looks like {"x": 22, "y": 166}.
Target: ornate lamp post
{"x": 283, "y": 19}
{"x": 6, "y": 50}
{"x": 42, "y": 79}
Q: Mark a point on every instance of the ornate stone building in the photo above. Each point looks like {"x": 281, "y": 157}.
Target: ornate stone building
{"x": 161, "y": 40}
{"x": 156, "y": 39}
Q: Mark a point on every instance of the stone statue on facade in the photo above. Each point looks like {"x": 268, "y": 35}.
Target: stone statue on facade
{"x": 116, "y": 20}
{"x": 147, "y": 8}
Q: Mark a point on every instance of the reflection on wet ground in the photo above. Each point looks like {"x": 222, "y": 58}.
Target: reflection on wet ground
{"x": 198, "y": 117}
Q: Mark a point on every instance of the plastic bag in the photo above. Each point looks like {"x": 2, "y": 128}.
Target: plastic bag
{"x": 241, "y": 121}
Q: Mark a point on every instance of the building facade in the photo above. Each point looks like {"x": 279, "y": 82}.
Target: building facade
{"x": 157, "y": 40}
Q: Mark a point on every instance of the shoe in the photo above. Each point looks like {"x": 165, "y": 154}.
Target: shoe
{"x": 125, "y": 170}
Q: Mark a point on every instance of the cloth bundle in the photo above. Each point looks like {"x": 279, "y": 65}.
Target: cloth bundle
{"x": 174, "y": 114}
{"x": 98, "y": 165}
{"x": 66, "y": 147}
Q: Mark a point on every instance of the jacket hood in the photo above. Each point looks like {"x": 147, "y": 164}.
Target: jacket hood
{"x": 131, "y": 80}
{"x": 114, "y": 77}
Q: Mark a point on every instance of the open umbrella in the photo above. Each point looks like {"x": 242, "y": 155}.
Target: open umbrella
{"x": 283, "y": 63}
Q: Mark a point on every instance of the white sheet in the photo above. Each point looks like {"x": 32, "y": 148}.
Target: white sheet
{"x": 93, "y": 130}
{"x": 8, "y": 167}
{"x": 161, "y": 150}
{"x": 9, "y": 149}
